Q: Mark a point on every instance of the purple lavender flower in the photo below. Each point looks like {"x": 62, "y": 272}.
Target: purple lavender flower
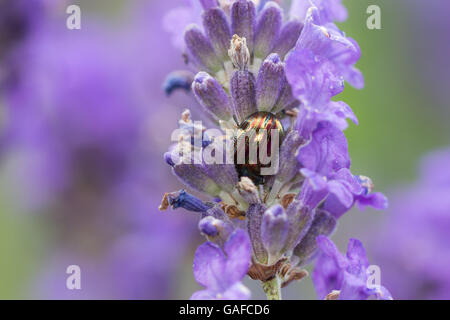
{"x": 257, "y": 72}
{"x": 221, "y": 271}
{"x": 432, "y": 54}
{"x": 81, "y": 149}
{"x": 415, "y": 262}
{"x": 344, "y": 277}
{"x": 326, "y": 167}
{"x": 18, "y": 18}
{"x": 325, "y": 40}
{"x": 63, "y": 120}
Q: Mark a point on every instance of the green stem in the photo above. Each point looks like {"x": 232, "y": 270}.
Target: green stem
{"x": 272, "y": 288}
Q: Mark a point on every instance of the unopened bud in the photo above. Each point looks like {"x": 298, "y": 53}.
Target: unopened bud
{"x": 239, "y": 53}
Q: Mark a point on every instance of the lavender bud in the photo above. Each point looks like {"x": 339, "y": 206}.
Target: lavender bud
{"x": 208, "y": 226}
{"x": 218, "y": 213}
{"x": 224, "y": 175}
{"x": 171, "y": 158}
{"x": 289, "y": 164}
{"x": 242, "y": 87}
{"x": 300, "y": 219}
{"x": 208, "y": 4}
{"x": 211, "y": 96}
{"x": 269, "y": 82}
{"x": 323, "y": 224}
{"x": 287, "y": 38}
{"x": 195, "y": 177}
{"x": 239, "y": 54}
{"x": 274, "y": 231}
{"x": 267, "y": 29}
{"x": 243, "y": 20}
{"x": 218, "y": 31}
{"x": 254, "y": 214}
{"x": 200, "y": 49}
{"x": 216, "y": 230}
{"x": 286, "y": 99}
{"x": 248, "y": 191}
{"x": 184, "y": 200}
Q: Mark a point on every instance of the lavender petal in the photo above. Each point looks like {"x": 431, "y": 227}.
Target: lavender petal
{"x": 201, "y": 49}
{"x": 218, "y": 31}
{"x": 243, "y": 20}
{"x": 255, "y": 216}
{"x": 323, "y": 224}
{"x": 211, "y": 96}
{"x": 287, "y": 38}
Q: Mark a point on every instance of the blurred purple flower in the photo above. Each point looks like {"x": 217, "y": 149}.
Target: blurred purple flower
{"x": 346, "y": 274}
{"x": 81, "y": 148}
{"x": 221, "y": 271}
{"x": 179, "y": 18}
{"x": 73, "y": 112}
{"x": 416, "y": 261}
{"x": 431, "y": 56}
{"x": 18, "y": 19}
{"x": 329, "y": 10}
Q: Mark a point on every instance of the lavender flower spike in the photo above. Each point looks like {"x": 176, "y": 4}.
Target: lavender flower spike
{"x": 277, "y": 78}
{"x": 221, "y": 271}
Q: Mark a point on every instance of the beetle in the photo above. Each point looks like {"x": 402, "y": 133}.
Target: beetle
{"x": 253, "y": 130}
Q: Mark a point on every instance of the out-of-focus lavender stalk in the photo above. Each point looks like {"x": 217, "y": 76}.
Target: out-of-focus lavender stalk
{"x": 415, "y": 263}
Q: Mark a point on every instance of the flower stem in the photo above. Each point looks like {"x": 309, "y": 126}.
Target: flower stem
{"x": 272, "y": 288}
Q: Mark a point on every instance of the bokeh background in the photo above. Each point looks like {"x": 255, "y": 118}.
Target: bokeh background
{"x": 84, "y": 122}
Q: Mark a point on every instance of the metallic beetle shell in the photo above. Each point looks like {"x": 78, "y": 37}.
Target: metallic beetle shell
{"x": 254, "y": 127}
